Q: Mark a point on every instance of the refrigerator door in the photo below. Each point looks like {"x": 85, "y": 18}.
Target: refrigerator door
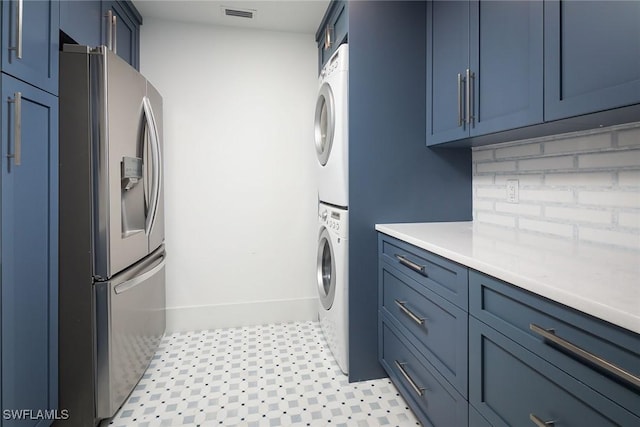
{"x": 130, "y": 320}
{"x": 119, "y": 129}
{"x": 154, "y": 114}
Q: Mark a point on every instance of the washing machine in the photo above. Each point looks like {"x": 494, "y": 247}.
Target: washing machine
{"x": 331, "y": 129}
{"x": 333, "y": 284}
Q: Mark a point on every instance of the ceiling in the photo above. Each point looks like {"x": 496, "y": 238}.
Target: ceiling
{"x": 298, "y": 16}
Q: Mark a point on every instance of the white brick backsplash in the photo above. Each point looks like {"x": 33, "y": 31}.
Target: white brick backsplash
{"x": 609, "y": 159}
{"x": 627, "y": 199}
{"x": 576, "y": 214}
{"x": 526, "y": 150}
{"x": 518, "y": 208}
{"x": 610, "y": 237}
{"x": 546, "y": 163}
{"x": 483, "y": 180}
{"x": 530, "y": 179}
{"x": 578, "y": 144}
{"x": 629, "y": 178}
{"x": 563, "y": 230}
{"x": 482, "y": 155}
{"x": 547, "y": 195}
{"x": 629, "y": 137}
{"x": 491, "y": 193}
{"x": 587, "y": 182}
{"x": 484, "y": 205}
{"x": 504, "y": 220}
{"x": 496, "y": 167}
{"x": 585, "y": 179}
{"x": 629, "y": 219}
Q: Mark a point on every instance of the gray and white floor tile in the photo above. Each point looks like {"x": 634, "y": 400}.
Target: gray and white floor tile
{"x": 271, "y": 375}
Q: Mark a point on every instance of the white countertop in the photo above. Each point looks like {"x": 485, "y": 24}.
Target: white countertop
{"x": 598, "y": 280}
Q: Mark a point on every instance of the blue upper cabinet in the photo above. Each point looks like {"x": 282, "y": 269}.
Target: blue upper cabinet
{"x": 124, "y": 30}
{"x": 115, "y": 24}
{"x": 29, "y": 242}
{"x": 591, "y": 56}
{"x": 83, "y": 21}
{"x": 484, "y": 68}
{"x": 447, "y": 62}
{"x": 30, "y": 42}
{"x": 332, "y": 31}
{"x": 506, "y": 56}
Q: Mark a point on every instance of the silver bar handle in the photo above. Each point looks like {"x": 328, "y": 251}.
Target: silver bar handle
{"x": 549, "y": 334}
{"x": 469, "y": 76}
{"x": 419, "y": 390}
{"x": 156, "y": 159}
{"x": 472, "y": 107}
{"x": 412, "y": 265}
{"x": 18, "y": 45}
{"x": 114, "y": 32}
{"x": 411, "y": 314}
{"x": 17, "y": 128}
{"x": 538, "y": 422}
{"x": 327, "y": 37}
{"x": 460, "y": 90}
{"x": 109, "y": 41}
{"x": 130, "y": 284}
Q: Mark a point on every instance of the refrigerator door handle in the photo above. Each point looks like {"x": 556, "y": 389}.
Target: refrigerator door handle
{"x": 156, "y": 162}
{"x": 130, "y": 284}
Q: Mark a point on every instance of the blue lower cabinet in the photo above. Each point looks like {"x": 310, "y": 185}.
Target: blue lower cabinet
{"x": 434, "y": 401}
{"x": 511, "y": 386}
{"x": 29, "y": 244}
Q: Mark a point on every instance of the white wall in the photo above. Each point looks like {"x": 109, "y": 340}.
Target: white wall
{"x": 241, "y": 195}
{"x": 584, "y": 185}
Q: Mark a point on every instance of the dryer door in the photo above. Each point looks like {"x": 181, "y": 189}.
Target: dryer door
{"x": 326, "y": 270}
{"x": 325, "y": 122}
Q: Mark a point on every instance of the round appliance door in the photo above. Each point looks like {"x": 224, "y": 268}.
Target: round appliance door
{"x": 326, "y": 270}
{"x": 325, "y": 121}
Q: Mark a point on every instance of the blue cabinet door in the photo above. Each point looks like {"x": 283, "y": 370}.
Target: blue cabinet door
{"x": 506, "y": 57}
{"x": 591, "y": 56}
{"x": 29, "y": 219}
{"x": 36, "y": 32}
{"x": 83, "y": 21}
{"x": 447, "y": 62}
{"x": 126, "y": 31}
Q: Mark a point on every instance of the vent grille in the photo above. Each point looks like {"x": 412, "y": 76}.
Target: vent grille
{"x": 239, "y": 13}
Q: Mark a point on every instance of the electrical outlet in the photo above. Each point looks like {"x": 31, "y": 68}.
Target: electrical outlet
{"x": 513, "y": 194}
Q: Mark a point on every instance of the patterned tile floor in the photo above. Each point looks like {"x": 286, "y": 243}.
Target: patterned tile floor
{"x": 272, "y": 375}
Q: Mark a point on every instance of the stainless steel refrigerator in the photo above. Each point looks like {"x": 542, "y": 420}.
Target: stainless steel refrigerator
{"x": 112, "y": 255}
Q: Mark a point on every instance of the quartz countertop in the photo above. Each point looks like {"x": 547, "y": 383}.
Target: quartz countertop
{"x": 598, "y": 280}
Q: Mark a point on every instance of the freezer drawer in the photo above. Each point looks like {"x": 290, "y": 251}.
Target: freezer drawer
{"x": 130, "y": 320}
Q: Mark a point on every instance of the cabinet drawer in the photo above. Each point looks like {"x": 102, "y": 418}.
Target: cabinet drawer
{"x": 438, "y": 327}
{"x": 444, "y": 277}
{"x": 511, "y": 386}
{"x": 435, "y": 402}
{"x": 516, "y": 312}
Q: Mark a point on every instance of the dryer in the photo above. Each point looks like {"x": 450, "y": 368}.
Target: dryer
{"x": 332, "y": 280}
{"x": 331, "y": 132}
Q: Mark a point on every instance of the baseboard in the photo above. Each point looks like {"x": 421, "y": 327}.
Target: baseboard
{"x": 197, "y": 318}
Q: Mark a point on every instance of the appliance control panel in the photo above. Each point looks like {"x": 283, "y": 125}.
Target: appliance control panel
{"x": 335, "y": 219}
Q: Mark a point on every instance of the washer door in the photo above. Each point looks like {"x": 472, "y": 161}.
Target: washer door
{"x": 326, "y": 270}
{"x": 325, "y": 122}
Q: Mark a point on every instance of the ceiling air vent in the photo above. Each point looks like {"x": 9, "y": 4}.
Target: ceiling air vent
{"x": 239, "y": 13}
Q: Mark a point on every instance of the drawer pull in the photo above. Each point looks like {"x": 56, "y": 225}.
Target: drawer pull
{"x": 550, "y": 335}
{"x": 537, "y": 421}
{"x": 419, "y": 390}
{"x": 411, "y": 314}
{"x": 412, "y": 265}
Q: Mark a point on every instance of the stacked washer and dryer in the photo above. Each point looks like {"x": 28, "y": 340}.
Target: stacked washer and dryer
{"x": 332, "y": 142}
